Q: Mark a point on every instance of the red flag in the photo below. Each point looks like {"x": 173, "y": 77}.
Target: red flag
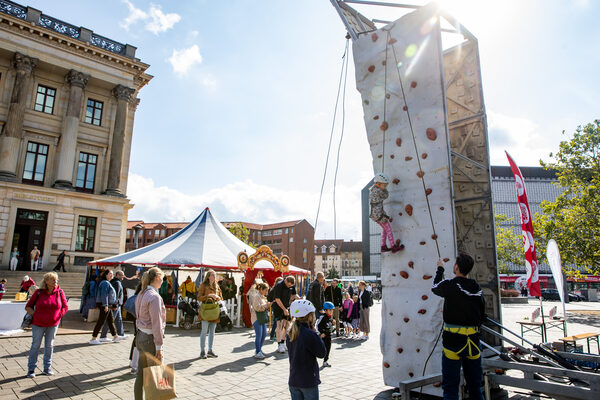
{"x": 533, "y": 281}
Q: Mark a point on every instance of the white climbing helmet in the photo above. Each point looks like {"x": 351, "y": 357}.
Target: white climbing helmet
{"x": 381, "y": 178}
{"x": 301, "y": 308}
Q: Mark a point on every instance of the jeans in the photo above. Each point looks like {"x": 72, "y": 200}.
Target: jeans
{"x": 118, "y": 320}
{"x": 311, "y": 393}
{"x": 273, "y": 326}
{"x": 37, "y": 333}
{"x": 104, "y": 316}
{"x": 451, "y": 377}
{"x": 144, "y": 343}
{"x": 210, "y": 328}
{"x": 260, "y": 331}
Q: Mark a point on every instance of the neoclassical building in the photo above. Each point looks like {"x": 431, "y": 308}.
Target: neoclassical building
{"x": 67, "y": 106}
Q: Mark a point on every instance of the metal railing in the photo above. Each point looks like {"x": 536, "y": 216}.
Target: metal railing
{"x": 14, "y": 9}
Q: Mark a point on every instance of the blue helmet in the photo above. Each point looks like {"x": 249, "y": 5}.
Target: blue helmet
{"x": 328, "y": 305}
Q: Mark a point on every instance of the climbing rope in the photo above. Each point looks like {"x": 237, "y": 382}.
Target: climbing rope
{"x": 344, "y": 61}
{"x": 412, "y": 132}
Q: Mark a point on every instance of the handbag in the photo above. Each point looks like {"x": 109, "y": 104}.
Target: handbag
{"x": 159, "y": 382}
{"x": 27, "y": 321}
{"x": 209, "y": 310}
{"x": 262, "y": 317}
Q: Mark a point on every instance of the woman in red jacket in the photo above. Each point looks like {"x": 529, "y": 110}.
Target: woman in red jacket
{"x": 47, "y": 306}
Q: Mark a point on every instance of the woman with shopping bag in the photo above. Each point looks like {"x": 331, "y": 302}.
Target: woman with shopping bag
{"x": 209, "y": 294}
{"x": 151, "y": 315}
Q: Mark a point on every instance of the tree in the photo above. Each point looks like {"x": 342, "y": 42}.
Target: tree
{"x": 242, "y": 233}
{"x": 332, "y": 273}
{"x": 509, "y": 245}
{"x": 573, "y": 219}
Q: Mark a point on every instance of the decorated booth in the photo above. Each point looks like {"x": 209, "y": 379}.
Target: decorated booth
{"x": 206, "y": 243}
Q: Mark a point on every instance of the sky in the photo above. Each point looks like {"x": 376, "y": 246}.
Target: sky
{"x": 239, "y": 112}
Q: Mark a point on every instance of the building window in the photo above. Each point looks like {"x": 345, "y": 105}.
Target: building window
{"x": 86, "y": 172}
{"x": 86, "y": 232}
{"x": 332, "y": 249}
{"x": 286, "y": 230}
{"x": 35, "y": 163}
{"x": 323, "y": 249}
{"x": 44, "y": 99}
{"x": 128, "y": 232}
{"x": 292, "y": 230}
{"x": 162, "y": 232}
{"x": 291, "y": 239}
{"x": 305, "y": 241}
{"x": 157, "y": 232}
{"x": 93, "y": 112}
{"x": 277, "y": 232}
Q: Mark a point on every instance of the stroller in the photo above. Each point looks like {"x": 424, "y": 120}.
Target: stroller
{"x": 189, "y": 308}
{"x": 225, "y": 323}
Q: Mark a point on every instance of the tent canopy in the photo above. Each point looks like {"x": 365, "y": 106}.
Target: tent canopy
{"x": 203, "y": 243}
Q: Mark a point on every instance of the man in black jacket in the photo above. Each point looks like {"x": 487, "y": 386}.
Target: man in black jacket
{"x": 464, "y": 312}
{"x": 333, "y": 293}
{"x": 315, "y": 292}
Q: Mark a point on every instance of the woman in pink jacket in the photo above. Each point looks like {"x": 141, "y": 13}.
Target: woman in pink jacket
{"x": 47, "y": 305}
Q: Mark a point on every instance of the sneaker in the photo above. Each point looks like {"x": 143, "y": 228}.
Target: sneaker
{"x": 123, "y": 337}
{"x": 364, "y": 338}
{"x": 48, "y": 372}
{"x": 133, "y": 371}
{"x": 259, "y": 356}
{"x": 95, "y": 341}
{"x": 280, "y": 348}
{"x": 326, "y": 364}
{"x": 212, "y": 354}
{"x": 284, "y": 347}
{"x": 116, "y": 339}
{"x": 31, "y": 374}
{"x": 105, "y": 340}
{"x": 396, "y": 248}
{"x": 203, "y": 355}
{"x": 262, "y": 354}
{"x": 385, "y": 249}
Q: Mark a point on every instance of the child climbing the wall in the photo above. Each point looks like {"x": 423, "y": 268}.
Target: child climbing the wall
{"x": 354, "y": 317}
{"x": 377, "y": 194}
{"x": 325, "y": 326}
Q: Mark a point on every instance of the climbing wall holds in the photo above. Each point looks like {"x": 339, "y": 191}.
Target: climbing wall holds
{"x": 409, "y": 209}
{"x": 400, "y": 349}
{"x": 392, "y": 41}
{"x": 396, "y": 181}
{"x": 418, "y": 350}
{"x": 413, "y": 84}
{"x": 398, "y": 142}
{"x": 411, "y": 264}
{"x": 380, "y": 155}
{"x": 446, "y": 259}
{"x": 392, "y": 156}
{"x": 371, "y": 68}
{"x": 406, "y": 319}
{"x": 424, "y": 297}
{"x": 431, "y": 134}
{"x": 422, "y": 311}
{"x": 385, "y": 364}
{"x": 400, "y": 214}
{"x": 383, "y": 126}
{"x": 422, "y": 243}
{"x": 437, "y": 384}
{"x": 367, "y": 102}
{"x": 405, "y": 108}
{"x": 420, "y": 174}
{"x": 376, "y": 117}
{"x": 398, "y": 333}
{"x": 427, "y": 277}
{"x": 374, "y": 37}
{"x": 387, "y": 96}
{"x": 383, "y": 62}
{"x": 428, "y": 191}
{"x": 391, "y": 314}
{"x": 434, "y": 236}
{"x": 407, "y": 158}
{"x": 391, "y": 219}
{"x": 424, "y": 156}
{"x": 442, "y": 208}
{"x": 411, "y": 374}
{"x": 404, "y": 274}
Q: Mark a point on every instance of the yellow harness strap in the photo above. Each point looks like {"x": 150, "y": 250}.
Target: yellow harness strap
{"x": 466, "y": 331}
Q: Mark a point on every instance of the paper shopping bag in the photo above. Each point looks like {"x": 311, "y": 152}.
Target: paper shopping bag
{"x": 159, "y": 382}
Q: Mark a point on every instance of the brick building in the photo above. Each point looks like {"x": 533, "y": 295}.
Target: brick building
{"x": 140, "y": 233}
{"x": 294, "y": 238}
{"x": 68, "y": 98}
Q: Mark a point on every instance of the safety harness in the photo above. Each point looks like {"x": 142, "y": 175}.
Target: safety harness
{"x": 474, "y": 352}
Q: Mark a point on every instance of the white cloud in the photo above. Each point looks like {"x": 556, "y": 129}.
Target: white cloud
{"x": 182, "y": 60}
{"x": 247, "y": 201}
{"x": 156, "y": 20}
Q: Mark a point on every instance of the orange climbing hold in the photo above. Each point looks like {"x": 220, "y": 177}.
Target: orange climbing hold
{"x": 407, "y": 158}
{"x": 379, "y": 156}
{"x": 446, "y": 259}
{"x": 400, "y": 350}
{"x": 387, "y": 96}
{"x": 406, "y": 319}
{"x": 431, "y": 134}
{"x": 424, "y": 156}
{"x": 442, "y": 208}
{"x": 385, "y": 364}
{"x": 396, "y": 181}
{"x": 428, "y": 191}
{"x": 411, "y": 264}
{"x": 426, "y": 277}
{"x": 422, "y": 243}
{"x": 374, "y": 37}
{"x": 383, "y": 126}
{"x": 398, "y": 142}
{"x": 409, "y": 209}
{"x": 405, "y": 108}
{"x": 424, "y": 297}
{"x": 420, "y": 174}
{"x": 383, "y": 62}
{"x": 392, "y": 41}
{"x": 434, "y": 236}
{"x": 422, "y": 311}
{"x": 404, "y": 274}
{"x": 371, "y": 68}
{"x": 392, "y": 156}
{"x": 376, "y": 117}
{"x": 413, "y": 84}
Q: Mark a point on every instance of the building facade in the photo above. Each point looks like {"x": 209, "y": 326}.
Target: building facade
{"x": 352, "y": 263}
{"x": 541, "y": 185}
{"x": 328, "y": 255}
{"x": 294, "y": 238}
{"x": 140, "y": 233}
{"x": 67, "y": 105}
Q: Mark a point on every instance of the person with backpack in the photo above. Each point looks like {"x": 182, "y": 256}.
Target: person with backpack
{"x": 106, "y": 300}
{"x": 365, "y": 300}
{"x": 47, "y": 305}
{"x": 315, "y": 292}
{"x": 117, "y": 318}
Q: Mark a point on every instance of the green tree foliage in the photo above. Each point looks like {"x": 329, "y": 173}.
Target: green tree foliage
{"x": 573, "y": 220}
{"x": 332, "y": 274}
{"x": 242, "y": 233}
{"x": 509, "y": 245}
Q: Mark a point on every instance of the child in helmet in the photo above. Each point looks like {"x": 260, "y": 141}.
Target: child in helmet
{"x": 377, "y": 194}
{"x": 325, "y": 324}
{"x": 304, "y": 346}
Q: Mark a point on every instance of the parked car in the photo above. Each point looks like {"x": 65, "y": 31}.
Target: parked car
{"x": 552, "y": 294}
{"x": 576, "y": 297}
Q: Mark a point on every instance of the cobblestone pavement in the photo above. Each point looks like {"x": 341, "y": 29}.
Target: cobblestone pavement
{"x": 102, "y": 372}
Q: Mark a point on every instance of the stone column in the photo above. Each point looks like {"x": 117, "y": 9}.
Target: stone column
{"x": 67, "y": 146}
{"x": 12, "y": 132}
{"x": 123, "y": 95}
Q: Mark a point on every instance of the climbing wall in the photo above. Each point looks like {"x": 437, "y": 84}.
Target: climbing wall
{"x": 399, "y": 76}
{"x": 470, "y": 167}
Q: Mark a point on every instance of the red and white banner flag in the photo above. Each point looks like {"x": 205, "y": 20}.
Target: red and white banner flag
{"x": 533, "y": 281}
